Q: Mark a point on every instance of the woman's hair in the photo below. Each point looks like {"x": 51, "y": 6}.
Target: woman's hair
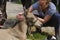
{"x": 47, "y": 4}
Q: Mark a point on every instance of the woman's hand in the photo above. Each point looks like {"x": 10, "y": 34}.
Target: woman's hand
{"x": 41, "y": 20}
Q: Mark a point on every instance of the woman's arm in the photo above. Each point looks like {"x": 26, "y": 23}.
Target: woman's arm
{"x": 45, "y": 19}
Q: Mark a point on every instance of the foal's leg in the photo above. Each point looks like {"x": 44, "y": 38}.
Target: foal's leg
{"x": 4, "y": 15}
{"x": 4, "y": 9}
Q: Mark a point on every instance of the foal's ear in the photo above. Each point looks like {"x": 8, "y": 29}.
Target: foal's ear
{"x": 27, "y": 10}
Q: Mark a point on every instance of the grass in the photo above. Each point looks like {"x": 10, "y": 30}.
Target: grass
{"x": 36, "y": 36}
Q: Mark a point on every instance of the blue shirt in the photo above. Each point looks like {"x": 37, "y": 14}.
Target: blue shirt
{"x": 51, "y": 9}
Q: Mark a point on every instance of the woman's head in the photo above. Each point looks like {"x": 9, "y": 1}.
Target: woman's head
{"x": 44, "y": 3}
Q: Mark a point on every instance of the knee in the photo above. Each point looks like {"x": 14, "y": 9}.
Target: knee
{"x": 56, "y": 19}
{"x": 57, "y": 16}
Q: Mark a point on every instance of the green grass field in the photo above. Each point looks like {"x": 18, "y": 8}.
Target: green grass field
{"x": 37, "y": 36}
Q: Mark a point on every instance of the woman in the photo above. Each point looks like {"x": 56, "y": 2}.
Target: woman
{"x": 48, "y": 14}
